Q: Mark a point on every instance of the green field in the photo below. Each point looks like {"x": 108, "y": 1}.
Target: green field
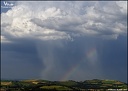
{"x": 45, "y": 85}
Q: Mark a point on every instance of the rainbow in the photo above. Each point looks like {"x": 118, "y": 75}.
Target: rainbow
{"x": 70, "y": 72}
{"x": 91, "y": 55}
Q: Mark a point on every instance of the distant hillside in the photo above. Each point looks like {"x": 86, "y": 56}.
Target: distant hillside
{"x": 70, "y": 85}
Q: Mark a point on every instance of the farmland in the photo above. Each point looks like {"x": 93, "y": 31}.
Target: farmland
{"x": 70, "y": 85}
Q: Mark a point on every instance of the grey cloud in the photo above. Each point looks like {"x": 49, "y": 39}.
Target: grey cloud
{"x": 20, "y": 61}
{"x": 52, "y": 59}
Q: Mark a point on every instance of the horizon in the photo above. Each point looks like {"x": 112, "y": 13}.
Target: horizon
{"x": 60, "y": 80}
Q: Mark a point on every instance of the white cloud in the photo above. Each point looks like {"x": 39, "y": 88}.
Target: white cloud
{"x": 123, "y": 6}
{"x": 3, "y": 39}
{"x": 64, "y": 20}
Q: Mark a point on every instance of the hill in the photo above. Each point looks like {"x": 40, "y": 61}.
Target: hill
{"x": 70, "y": 85}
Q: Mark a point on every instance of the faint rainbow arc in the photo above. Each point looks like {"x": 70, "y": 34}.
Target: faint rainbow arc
{"x": 90, "y": 53}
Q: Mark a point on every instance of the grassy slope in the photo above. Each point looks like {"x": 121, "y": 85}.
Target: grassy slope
{"x": 63, "y": 85}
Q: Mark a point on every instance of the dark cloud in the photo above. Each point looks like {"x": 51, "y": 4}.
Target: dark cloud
{"x": 53, "y": 59}
{"x": 19, "y": 60}
{"x": 114, "y": 58}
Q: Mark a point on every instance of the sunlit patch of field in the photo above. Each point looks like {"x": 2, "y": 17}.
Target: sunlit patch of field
{"x": 35, "y": 82}
{"x": 55, "y": 87}
{"x": 29, "y": 80}
{"x": 6, "y": 83}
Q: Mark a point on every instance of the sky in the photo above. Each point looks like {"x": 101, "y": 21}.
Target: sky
{"x": 64, "y": 40}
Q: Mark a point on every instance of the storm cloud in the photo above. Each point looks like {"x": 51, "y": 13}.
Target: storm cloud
{"x": 62, "y": 40}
